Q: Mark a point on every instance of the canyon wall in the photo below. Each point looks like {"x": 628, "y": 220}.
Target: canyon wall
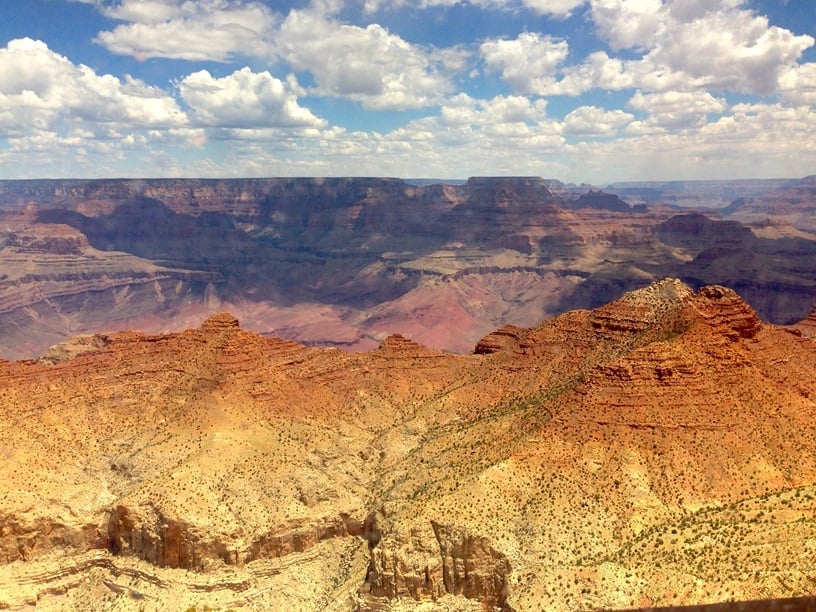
{"x": 348, "y": 261}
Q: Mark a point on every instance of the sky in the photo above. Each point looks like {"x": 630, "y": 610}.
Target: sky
{"x": 589, "y": 91}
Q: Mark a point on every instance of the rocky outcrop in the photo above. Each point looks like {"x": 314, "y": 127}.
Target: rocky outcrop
{"x": 507, "y": 338}
{"x": 427, "y": 564}
{"x": 77, "y": 345}
{"x": 27, "y": 534}
{"x": 57, "y": 240}
{"x": 149, "y": 535}
{"x": 397, "y": 346}
{"x": 223, "y": 321}
{"x": 667, "y": 308}
{"x": 472, "y": 567}
{"x": 726, "y": 312}
{"x": 696, "y": 230}
{"x": 160, "y": 540}
{"x": 656, "y": 310}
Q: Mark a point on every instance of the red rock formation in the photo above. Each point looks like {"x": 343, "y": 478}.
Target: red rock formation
{"x": 726, "y": 312}
{"x": 507, "y": 338}
{"x": 527, "y": 476}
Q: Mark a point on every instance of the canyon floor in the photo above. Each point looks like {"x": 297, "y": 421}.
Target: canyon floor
{"x": 657, "y": 450}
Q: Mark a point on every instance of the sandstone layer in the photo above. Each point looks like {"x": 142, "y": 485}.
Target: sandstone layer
{"x": 658, "y": 450}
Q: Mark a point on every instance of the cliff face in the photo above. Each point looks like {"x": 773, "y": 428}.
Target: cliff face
{"x": 793, "y": 203}
{"x": 426, "y": 565}
{"x": 348, "y": 261}
{"x": 765, "y": 271}
{"x": 579, "y": 463}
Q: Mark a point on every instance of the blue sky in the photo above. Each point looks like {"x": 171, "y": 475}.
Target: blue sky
{"x": 582, "y": 90}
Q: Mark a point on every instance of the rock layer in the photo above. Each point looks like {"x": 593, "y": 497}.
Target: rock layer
{"x": 347, "y": 262}
{"x": 642, "y": 453}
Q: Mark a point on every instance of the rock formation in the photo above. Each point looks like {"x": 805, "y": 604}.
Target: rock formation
{"x": 346, "y": 262}
{"x": 658, "y": 450}
{"x": 807, "y": 327}
{"x": 793, "y": 202}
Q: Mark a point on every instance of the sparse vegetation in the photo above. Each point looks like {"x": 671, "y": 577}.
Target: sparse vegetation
{"x": 598, "y": 468}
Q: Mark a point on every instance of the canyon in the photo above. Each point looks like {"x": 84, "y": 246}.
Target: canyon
{"x": 656, "y": 450}
{"x": 346, "y": 262}
{"x": 375, "y": 394}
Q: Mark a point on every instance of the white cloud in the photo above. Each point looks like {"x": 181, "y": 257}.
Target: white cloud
{"x": 677, "y": 110}
{"x": 465, "y": 110}
{"x": 513, "y": 135}
{"x": 680, "y": 60}
{"x": 686, "y": 45}
{"x": 748, "y": 141}
{"x": 215, "y": 30}
{"x": 145, "y": 11}
{"x": 554, "y": 8}
{"x": 627, "y": 24}
{"x": 528, "y": 63}
{"x": 760, "y": 124}
{"x": 594, "y": 121}
{"x": 475, "y": 130}
{"x": 689, "y": 10}
{"x": 42, "y": 90}
{"x": 244, "y": 99}
{"x": 728, "y": 50}
{"x": 597, "y": 71}
{"x": 370, "y": 65}
{"x": 798, "y": 84}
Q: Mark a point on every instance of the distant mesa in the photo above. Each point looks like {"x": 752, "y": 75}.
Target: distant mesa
{"x": 600, "y": 200}
{"x": 695, "y": 229}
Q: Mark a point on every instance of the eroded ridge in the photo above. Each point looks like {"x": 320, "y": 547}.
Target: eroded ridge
{"x": 625, "y": 456}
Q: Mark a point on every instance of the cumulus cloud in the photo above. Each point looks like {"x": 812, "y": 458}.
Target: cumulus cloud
{"x": 145, "y": 11}
{"x": 244, "y": 99}
{"x": 368, "y": 64}
{"x": 729, "y": 50}
{"x": 555, "y": 8}
{"x": 747, "y": 141}
{"x": 680, "y": 61}
{"x": 627, "y": 24}
{"x": 594, "y": 121}
{"x": 216, "y": 30}
{"x": 484, "y": 127}
{"x": 689, "y": 10}
{"x": 528, "y": 63}
{"x": 684, "y": 45}
{"x": 465, "y": 110}
{"x": 40, "y": 90}
{"x": 597, "y": 71}
{"x": 798, "y": 84}
{"x": 677, "y": 110}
